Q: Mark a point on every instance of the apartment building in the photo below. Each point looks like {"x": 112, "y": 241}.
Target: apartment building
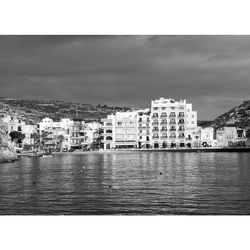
{"x": 120, "y": 130}
{"x": 143, "y": 121}
{"x": 170, "y": 121}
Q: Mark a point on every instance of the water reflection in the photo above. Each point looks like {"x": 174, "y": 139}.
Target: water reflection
{"x": 127, "y": 183}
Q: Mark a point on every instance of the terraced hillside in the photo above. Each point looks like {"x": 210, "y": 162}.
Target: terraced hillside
{"x": 32, "y": 111}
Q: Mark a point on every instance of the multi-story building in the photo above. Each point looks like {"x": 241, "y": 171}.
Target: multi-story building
{"x": 170, "y": 121}
{"x": 13, "y": 123}
{"x": 230, "y": 136}
{"x": 143, "y": 120}
{"x": 120, "y": 130}
{"x": 17, "y": 124}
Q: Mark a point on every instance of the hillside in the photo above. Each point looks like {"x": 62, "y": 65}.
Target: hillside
{"x": 238, "y": 116}
{"x": 33, "y": 111}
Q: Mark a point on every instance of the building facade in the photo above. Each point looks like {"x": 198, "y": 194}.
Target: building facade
{"x": 170, "y": 121}
{"x": 120, "y": 130}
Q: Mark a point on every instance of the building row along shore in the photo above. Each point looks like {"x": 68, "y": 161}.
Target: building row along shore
{"x": 167, "y": 124}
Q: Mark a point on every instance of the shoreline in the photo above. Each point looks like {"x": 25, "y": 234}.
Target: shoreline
{"x": 185, "y": 150}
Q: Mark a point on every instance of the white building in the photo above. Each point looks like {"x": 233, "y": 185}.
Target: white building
{"x": 143, "y": 120}
{"x": 120, "y": 130}
{"x": 230, "y": 136}
{"x": 170, "y": 121}
{"x": 17, "y": 124}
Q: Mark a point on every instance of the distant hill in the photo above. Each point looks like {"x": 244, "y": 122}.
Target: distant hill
{"x": 204, "y": 123}
{"x": 238, "y": 116}
{"x": 33, "y": 111}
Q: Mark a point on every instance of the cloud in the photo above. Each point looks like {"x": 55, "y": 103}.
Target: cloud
{"x": 128, "y": 70}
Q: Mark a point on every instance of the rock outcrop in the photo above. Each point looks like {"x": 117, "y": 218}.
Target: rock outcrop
{"x": 7, "y": 151}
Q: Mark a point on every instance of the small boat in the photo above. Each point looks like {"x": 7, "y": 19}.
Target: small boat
{"x": 48, "y": 155}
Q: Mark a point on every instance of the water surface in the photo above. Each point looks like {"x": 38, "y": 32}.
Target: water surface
{"x": 132, "y": 183}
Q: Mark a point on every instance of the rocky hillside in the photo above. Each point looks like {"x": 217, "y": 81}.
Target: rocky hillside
{"x": 33, "y": 111}
{"x": 238, "y": 116}
{"x": 7, "y": 152}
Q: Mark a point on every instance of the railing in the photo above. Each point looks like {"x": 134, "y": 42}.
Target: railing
{"x": 172, "y": 137}
{"x": 155, "y": 130}
{"x": 172, "y": 129}
{"x": 164, "y": 129}
{"x": 173, "y": 122}
{"x": 164, "y": 137}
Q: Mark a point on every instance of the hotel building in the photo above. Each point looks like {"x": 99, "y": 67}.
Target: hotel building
{"x": 170, "y": 122}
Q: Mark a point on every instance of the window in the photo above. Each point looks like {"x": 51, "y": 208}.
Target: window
{"x": 155, "y": 108}
{"x": 140, "y": 137}
{"x": 119, "y": 123}
{"x": 192, "y": 122}
{"x": 108, "y": 124}
{"x": 140, "y": 131}
{"x": 192, "y": 116}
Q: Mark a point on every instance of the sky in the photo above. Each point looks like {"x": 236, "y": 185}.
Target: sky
{"x": 212, "y": 72}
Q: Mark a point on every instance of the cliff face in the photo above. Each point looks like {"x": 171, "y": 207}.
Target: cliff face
{"x": 7, "y": 152}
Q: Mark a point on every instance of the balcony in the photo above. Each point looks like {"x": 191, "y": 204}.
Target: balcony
{"x": 164, "y": 130}
{"x": 155, "y": 137}
{"x": 181, "y": 136}
{"x": 181, "y": 116}
{"x": 164, "y": 122}
{"x": 164, "y": 137}
{"x": 172, "y": 129}
{"x": 172, "y": 137}
{"x": 155, "y": 116}
{"x": 172, "y": 122}
{"x": 155, "y": 130}
{"x": 155, "y": 123}
{"x": 163, "y": 115}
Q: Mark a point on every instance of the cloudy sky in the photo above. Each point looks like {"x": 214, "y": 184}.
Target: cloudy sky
{"x": 212, "y": 72}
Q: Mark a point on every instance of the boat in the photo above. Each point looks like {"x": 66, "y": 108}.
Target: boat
{"x": 48, "y": 155}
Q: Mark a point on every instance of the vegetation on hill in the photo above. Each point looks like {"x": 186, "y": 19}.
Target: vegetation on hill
{"x": 238, "y": 116}
{"x": 32, "y": 111}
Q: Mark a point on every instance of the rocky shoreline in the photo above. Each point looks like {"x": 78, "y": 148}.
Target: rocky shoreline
{"x": 7, "y": 151}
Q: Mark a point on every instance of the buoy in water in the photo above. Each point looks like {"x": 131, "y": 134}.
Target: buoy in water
{"x": 34, "y": 182}
{"x": 160, "y": 173}
{"x": 110, "y": 186}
